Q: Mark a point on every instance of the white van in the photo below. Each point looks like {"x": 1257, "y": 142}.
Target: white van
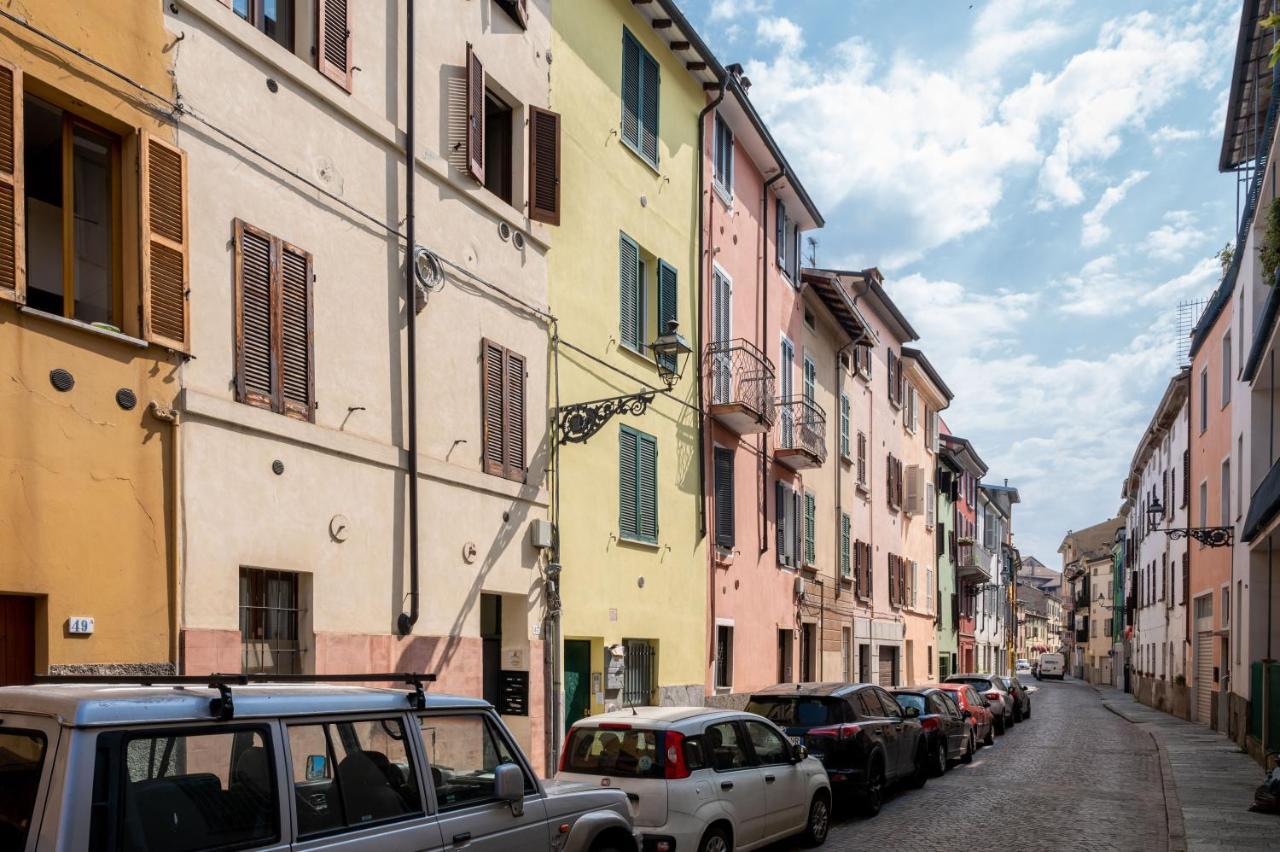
{"x": 1051, "y": 665}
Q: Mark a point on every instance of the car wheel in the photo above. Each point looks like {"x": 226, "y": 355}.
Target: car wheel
{"x": 998, "y": 724}
{"x": 815, "y": 830}
{"x": 873, "y": 795}
{"x": 940, "y": 762}
{"x": 1027, "y": 713}
{"x": 990, "y": 738}
{"x": 967, "y": 757}
{"x": 715, "y": 840}
{"x": 924, "y": 767}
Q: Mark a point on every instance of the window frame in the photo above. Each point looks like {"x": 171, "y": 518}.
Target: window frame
{"x": 270, "y": 614}
{"x": 257, "y": 20}
{"x": 722, "y": 157}
{"x": 846, "y": 426}
{"x": 636, "y": 536}
{"x": 637, "y": 146}
{"x": 531, "y": 786}
{"x": 503, "y": 466}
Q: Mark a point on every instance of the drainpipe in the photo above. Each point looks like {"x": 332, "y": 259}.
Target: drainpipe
{"x": 408, "y": 619}
{"x": 764, "y": 344}
{"x": 703, "y": 263}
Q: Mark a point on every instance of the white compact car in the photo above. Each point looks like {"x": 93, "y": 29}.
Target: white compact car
{"x": 700, "y": 778}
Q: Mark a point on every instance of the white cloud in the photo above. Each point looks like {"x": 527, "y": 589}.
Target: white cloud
{"x": 1102, "y": 288}
{"x": 1178, "y": 235}
{"x": 732, "y": 10}
{"x": 955, "y": 321}
{"x": 782, "y": 32}
{"x": 1166, "y": 135}
{"x": 1093, "y": 230}
{"x": 1008, "y": 30}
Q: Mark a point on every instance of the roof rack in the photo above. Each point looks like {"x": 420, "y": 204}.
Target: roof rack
{"x": 223, "y": 707}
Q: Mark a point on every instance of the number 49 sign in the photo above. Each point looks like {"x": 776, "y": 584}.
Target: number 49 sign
{"x": 80, "y": 624}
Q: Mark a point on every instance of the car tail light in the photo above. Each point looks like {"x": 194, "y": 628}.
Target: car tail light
{"x": 614, "y": 726}
{"x": 840, "y": 732}
{"x": 676, "y": 766}
{"x": 994, "y": 696}
{"x": 929, "y": 724}
{"x": 564, "y": 750}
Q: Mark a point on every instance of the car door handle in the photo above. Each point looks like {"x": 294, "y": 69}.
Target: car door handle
{"x": 768, "y": 779}
{"x": 462, "y": 839}
{"x": 726, "y": 785}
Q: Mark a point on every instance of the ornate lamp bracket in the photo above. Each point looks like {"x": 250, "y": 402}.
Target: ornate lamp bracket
{"x": 1208, "y": 536}
{"x": 578, "y": 422}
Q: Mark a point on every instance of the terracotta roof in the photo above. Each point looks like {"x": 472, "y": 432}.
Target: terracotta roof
{"x": 1093, "y": 542}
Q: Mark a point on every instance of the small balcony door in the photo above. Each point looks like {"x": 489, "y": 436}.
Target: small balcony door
{"x": 721, "y": 334}
{"x": 787, "y": 388}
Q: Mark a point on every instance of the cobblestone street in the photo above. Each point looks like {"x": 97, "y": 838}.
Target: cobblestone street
{"x": 1073, "y": 776}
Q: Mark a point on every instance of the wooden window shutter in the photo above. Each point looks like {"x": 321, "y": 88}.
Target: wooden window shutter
{"x": 845, "y": 557}
{"x": 780, "y": 519}
{"x": 668, "y": 305}
{"x": 780, "y": 230}
{"x": 893, "y": 580}
{"x": 493, "y": 442}
{"x": 544, "y": 166}
{"x": 475, "y": 115}
{"x": 810, "y": 525}
{"x": 165, "y": 258}
{"x": 297, "y": 374}
{"x": 333, "y": 37}
{"x": 866, "y": 566}
{"x": 630, "y": 89}
{"x": 647, "y": 476}
{"x": 628, "y": 498}
{"x": 844, "y": 425}
{"x": 13, "y": 240}
{"x": 650, "y": 80}
{"x": 630, "y": 309}
{"x": 797, "y": 532}
{"x": 256, "y": 376}
{"x": 723, "y": 476}
{"x": 513, "y": 425}
{"x": 1186, "y": 477}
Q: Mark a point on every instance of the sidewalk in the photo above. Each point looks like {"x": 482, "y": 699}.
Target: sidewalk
{"x": 1212, "y": 782}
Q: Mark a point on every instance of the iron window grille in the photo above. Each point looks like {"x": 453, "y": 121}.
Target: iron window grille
{"x": 269, "y": 622}
{"x": 638, "y": 673}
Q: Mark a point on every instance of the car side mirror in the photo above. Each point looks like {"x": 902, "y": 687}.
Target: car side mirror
{"x": 508, "y": 785}
{"x": 799, "y": 753}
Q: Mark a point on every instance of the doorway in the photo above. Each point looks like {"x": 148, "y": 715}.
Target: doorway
{"x": 784, "y": 656}
{"x": 808, "y": 648}
{"x": 577, "y": 680}
{"x": 17, "y": 640}
{"x": 491, "y": 646}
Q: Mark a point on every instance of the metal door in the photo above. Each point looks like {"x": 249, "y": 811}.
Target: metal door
{"x": 1204, "y": 676}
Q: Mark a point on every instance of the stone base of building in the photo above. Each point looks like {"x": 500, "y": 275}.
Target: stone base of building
{"x": 682, "y": 695}
{"x": 1171, "y": 698}
{"x": 113, "y": 669}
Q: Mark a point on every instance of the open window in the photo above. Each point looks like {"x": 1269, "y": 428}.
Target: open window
{"x": 316, "y": 31}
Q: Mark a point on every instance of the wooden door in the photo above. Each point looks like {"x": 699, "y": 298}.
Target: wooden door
{"x": 17, "y": 640}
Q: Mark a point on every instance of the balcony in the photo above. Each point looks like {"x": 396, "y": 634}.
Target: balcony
{"x": 741, "y": 385}
{"x": 800, "y": 435}
{"x": 974, "y": 563}
{"x": 1082, "y": 635}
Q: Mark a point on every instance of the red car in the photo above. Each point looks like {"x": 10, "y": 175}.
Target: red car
{"x": 977, "y": 712}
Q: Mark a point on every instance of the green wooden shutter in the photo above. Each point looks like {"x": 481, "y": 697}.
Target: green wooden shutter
{"x": 630, "y": 307}
{"x": 647, "y": 487}
{"x": 628, "y": 526}
{"x": 780, "y": 231}
{"x": 844, "y": 425}
{"x": 668, "y": 296}
{"x": 649, "y": 82}
{"x": 845, "y": 531}
{"x": 630, "y": 89}
{"x": 810, "y": 521}
{"x": 780, "y": 519}
{"x": 724, "y": 497}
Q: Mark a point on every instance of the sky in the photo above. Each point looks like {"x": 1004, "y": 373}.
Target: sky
{"x": 1037, "y": 180}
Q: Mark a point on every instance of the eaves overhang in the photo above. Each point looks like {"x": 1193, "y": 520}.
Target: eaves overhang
{"x": 666, "y": 19}
{"x": 866, "y": 283}
{"x": 836, "y": 299}
{"x": 1251, "y": 81}
{"x": 925, "y": 365}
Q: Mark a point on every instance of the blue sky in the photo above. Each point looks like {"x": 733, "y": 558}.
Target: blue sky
{"x": 1038, "y": 181}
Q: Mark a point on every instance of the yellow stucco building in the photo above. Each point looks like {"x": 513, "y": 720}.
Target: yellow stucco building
{"x": 93, "y": 289}
{"x": 633, "y": 585}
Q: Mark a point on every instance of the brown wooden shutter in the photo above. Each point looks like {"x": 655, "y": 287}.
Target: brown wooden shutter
{"x": 513, "y": 426}
{"x": 165, "y": 259}
{"x": 333, "y": 37}
{"x": 296, "y": 370}
{"x": 13, "y": 267}
{"x": 1186, "y": 477}
{"x": 544, "y": 166}
{"x": 493, "y": 442}
{"x": 475, "y": 115}
{"x": 255, "y": 366}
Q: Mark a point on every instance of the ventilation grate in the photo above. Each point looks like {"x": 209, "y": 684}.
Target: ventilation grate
{"x": 61, "y": 379}
{"x": 126, "y": 399}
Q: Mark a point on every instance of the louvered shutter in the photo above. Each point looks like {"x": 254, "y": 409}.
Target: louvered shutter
{"x": 668, "y": 296}
{"x": 723, "y": 475}
{"x": 780, "y": 223}
{"x": 1186, "y": 477}
{"x": 165, "y": 260}
{"x": 780, "y": 520}
{"x": 13, "y": 241}
{"x": 333, "y": 37}
{"x": 492, "y": 442}
{"x": 647, "y": 475}
{"x": 475, "y": 115}
{"x": 797, "y": 533}
{"x": 888, "y": 479}
{"x": 844, "y": 425}
{"x": 513, "y": 423}
{"x": 629, "y": 291}
{"x": 810, "y": 524}
{"x": 903, "y": 587}
{"x": 893, "y": 580}
{"x": 255, "y": 363}
{"x": 649, "y": 82}
{"x": 297, "y": 394}
{"x": 522, "y": 12}
{"x": 867, "y": 568}
{"x": 846, "y": 568}
{"x": 544, "y": 166}
{"x": 630, "y": 89}
{"x": 628, "y": 512}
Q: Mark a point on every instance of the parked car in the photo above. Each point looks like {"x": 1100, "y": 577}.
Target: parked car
{"x": 994, "y": 691}
{"x": 977, "y": 712}
{"x": 701, "y": 778}
{"x": 1022, "y": 667}
{"x": 945, "y": 729}
{"x": 1021, "y": 697}
{"x": 1051, "y": 666}
{"x": 858, "y": 730}
{"x": 186, "y": 766}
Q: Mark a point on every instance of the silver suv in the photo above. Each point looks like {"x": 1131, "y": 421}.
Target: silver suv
{"x": 184, "y": 764}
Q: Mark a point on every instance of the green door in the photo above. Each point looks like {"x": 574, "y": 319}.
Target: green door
{"x": 577, "y": 680}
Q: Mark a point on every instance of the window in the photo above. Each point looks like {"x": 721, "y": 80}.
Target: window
{"x": 787, "y": 240}
{"x": 638, "y": 486}
{"x": 184, "y": 789}
{"x": 1240, "y": 469}
{"x": 269, "y": 622}
{"x": 894, "y": 374}
{"x": 911, "y": 419}
{"x": 274, "y": 354}
{"x": 72, "y": 214}
{"x": 724, "y": 656}
{"x": 933, "y": 708}
{"x": 788, "y": 522}
{"x": 722, "y": 156}
{"x": 464, "y": 752}
{"x": 724, "y": 503}
{"x": 1204, "y": 505}
{"x": 810, "y": 522}
{"x": 640, "y": 90}
{"x": 278, "y": 20}
{"x": 634, "y": 267}
{"x": 1204, "y": 400}
{"x": 844, "y": 427}
{"x": 930, "y": 506}
{"x": 274, "y": 18}
{"x": 810, "y": 383}
{"x": 499, "y": 152}
{"x": 1226, "y": 369}
{"x": 893, "y": 470}
{"x": 502, "y": 381}
{"x": 930, "y": 429}
{"x": 348, "y": 775}
{"x": 862, "y": 361}
{"x": 728, "y": 749}
{"x": 619, "y": 754}
{"x": 928, "y": 588}
{"x": 24, "y": 761}
{"x": 862, "y": 462}
{"x": 770, "y": 748}
{"x": 1225, "y": 493}
{"x": 846, "y": 543}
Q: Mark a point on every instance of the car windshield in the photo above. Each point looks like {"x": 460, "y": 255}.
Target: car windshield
{"x": 910, "y": 699}
{"x": 622, "y": 753}
{"x": 21, "y": 756}
{"x": 980, "y": 683}
{"x": 797, "y": 711}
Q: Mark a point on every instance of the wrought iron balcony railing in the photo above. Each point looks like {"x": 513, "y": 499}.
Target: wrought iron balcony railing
{"x": 741, "y": 380}
{"x": 800, "y": 435}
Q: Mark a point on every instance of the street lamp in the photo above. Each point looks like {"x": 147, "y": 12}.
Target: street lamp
{"x": 671, "y": 351}
{"x": 1208, "y": 536}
